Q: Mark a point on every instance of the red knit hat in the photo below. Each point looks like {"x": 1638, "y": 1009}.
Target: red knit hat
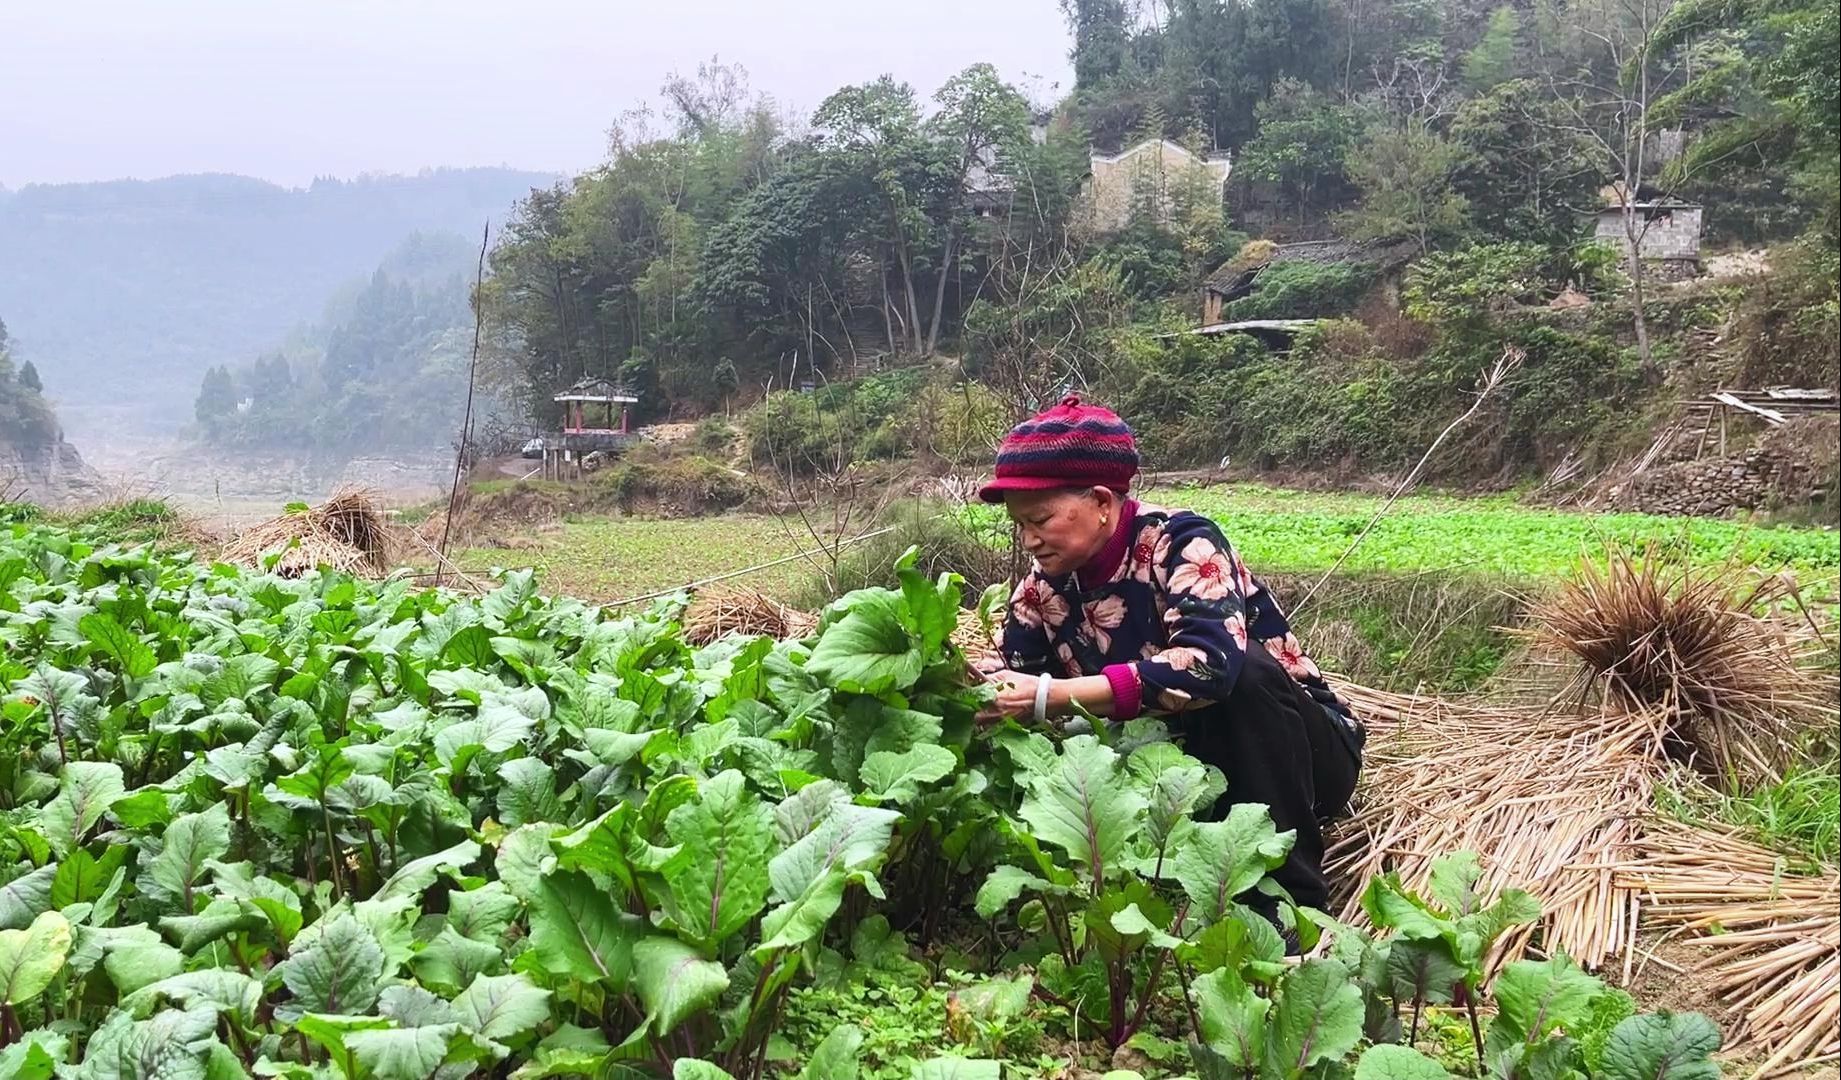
{"x": 1069, "y": 445}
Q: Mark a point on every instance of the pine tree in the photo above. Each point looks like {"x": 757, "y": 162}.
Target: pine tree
{"x": 28, "y": 378}
{"x": 217, "y": 397}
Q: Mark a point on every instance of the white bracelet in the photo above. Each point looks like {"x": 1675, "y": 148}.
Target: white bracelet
{"x": 1042, "y": 682}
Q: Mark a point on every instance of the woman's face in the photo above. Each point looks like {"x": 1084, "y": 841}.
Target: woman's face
{"x": 1062, "y": 529}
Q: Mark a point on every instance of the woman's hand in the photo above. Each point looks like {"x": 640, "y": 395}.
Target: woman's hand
{"x": 1016, "y": 697}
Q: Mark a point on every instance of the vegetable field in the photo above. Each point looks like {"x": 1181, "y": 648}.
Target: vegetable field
{"x": 1281, "y": 530}
{"x": 326, "y": 828}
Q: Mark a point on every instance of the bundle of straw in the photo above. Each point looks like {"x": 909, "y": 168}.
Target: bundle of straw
{"x": 1551, "y": 803}
{"x": 346, "y": 533}
{"x": 1704, "y": 646}
{"x": 970, "y": 636}
{"x": 1771, "y": 941}
{"x": 720, "y": 610}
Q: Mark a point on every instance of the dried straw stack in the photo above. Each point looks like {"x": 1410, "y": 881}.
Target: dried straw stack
{"x": 1771, "y": 941}
{"x": 720, "y": 610}
{"x": 1683, "y": 664}
{"x": 1551, "y": 802}
{"x": 1706, "y": 646}
{"x": 347, "y": 533}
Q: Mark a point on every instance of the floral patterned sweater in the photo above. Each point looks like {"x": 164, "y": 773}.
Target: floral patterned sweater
{"x": 1164, "y": 612}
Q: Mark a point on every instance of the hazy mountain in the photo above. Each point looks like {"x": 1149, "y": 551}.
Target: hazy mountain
{"x": 123, "y": 293}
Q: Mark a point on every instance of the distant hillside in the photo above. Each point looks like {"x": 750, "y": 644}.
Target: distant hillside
{"x": 124, "y": 293}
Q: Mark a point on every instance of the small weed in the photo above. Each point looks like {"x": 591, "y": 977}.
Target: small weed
{"x": 131, "y": 521}
{"x": 1798, "y": 816}
{"x": 905, "y": 1023}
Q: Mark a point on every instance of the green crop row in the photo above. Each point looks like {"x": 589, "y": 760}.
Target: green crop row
{"x": 325, "y": 829}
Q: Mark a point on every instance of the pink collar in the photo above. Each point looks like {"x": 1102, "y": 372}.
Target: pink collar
{"x": 1101, "y": 567}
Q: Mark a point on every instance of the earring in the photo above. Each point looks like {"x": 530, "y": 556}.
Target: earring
{"x": 1104, "y": 521}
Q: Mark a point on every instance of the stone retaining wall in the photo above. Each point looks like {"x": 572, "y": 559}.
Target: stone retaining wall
{"x": 1789, "y": 465}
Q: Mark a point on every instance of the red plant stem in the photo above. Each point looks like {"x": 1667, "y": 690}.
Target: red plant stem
{"x": 1157, "y": 966}
{"x": 1195, "y": 1022}
{"x": 1476, "y": 1033}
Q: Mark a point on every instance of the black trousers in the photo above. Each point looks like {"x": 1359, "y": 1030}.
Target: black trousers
{"x": 1278, "y": 746}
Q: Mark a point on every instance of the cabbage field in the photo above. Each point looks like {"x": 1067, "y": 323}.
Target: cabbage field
{"x": 330, "y": 828}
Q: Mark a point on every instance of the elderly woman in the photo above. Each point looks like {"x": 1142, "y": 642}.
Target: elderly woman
{"x": 1131, "y": 609}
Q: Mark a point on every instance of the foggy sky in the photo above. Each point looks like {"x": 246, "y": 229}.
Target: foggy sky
{"x": 292, "y": 89}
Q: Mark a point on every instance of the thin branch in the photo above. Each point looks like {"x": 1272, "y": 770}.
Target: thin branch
{"x": 1505, "y": 365}
{"x": 466, "y": 419}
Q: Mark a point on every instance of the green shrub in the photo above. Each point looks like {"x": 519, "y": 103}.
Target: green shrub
{"x": 1305, "y": 290}
{"x": 1179, "y": 394}
{"x": 681, "y": 484}
{"x": 714, "y": 435}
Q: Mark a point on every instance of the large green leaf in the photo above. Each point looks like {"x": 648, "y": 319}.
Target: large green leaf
{"x": 1220, "y": 860}
{"x": 719, "y": 878}
{"x": 418, "y": 874}
{"x": 331, "y": 1031}
{"x": 240, "y": 677}
{"x": 1002, "y": 887}
{"x": 337, "y": 970}
{"x": 693, "y": 1069}
{"x": 131, "y": 967}
{"x": 869, "y": 726}
{"x": 1387, "y": 1062}
{"x": 484, "y": 913}
{"x": 898, "y": 778}
{"x": 502, "y": 1007}
{"x": 109, "y": 637}
{"x": 191, "y": 841}
{"x": 1423, "y": 971}
{"x": 1535, "y": 997}
{"x": 1233, "y": 1017}
{"x": 452, "y": 960}
{"x": 31, "y": 958}
{"x": 577, "y": 931}
{"x": 173, "y": 1043}
{"x": 1662, "y": 1046}
{"x": 527, "y": 792}
{"x": 26, "y": 896}
{"x": 868, "y": 651}
{"x": 498, "y": 727}
{"x": 35, "y": 1056}
{"x": 1318, "y": 1018}
{"x": 848, "y": 837}
{"x": 1084, "y": 806}
{"x": 404, "y": 1053}
{"x": 793, "y": 924}
{"x": 1478, "y": 931}
{"x": 80, "y": 879}
{"x": 221, "y": 990}
{"x": 1177, "y": 792}
{"x": 836, "y": 1057}
{"x": 1453, "y": 881}
{"x": 307, "y": 787}
{"x": 85, "y": 791}
{"x": 674, "y": 981}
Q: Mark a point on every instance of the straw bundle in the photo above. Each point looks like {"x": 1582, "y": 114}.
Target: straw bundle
{"x": 1700, "y": 645}
{"x": 720, "y": 610}
{"x": 346, "y": 532}
{"x": 1551, "y": 803}
{"x": 1772, "y": 942}
{"x": 970, "y": 636}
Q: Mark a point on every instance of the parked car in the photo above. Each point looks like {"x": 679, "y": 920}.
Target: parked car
{"x": 533, "y": 449}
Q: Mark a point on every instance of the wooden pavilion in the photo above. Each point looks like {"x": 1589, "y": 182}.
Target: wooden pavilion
{"x": 597, "y": 417}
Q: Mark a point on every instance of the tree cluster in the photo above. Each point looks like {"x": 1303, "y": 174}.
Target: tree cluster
{"x": 26, "y": 418}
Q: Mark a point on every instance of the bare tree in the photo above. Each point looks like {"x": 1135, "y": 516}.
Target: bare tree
{"x": 827, "y": 496}
{"x": 1607, "y": 84}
